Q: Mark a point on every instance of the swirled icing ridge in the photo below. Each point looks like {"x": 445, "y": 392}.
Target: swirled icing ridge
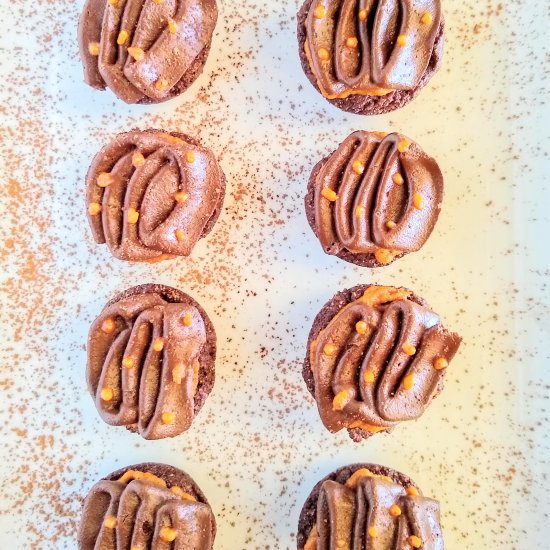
{"x": 143, "y": 364}
{"x": 151, "y": 195}
{"x": 370, "y": 47}
{"x": 141, "y": 49}
{"x": 375, "y": 193}
{"x": 379, "y": 361}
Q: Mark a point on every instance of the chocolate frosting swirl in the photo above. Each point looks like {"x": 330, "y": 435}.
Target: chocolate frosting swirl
{"x": 135, "y": 512}
{"x": 145, "y": 356}
{"x": 143, "y": 49}
{"x": 370, "y": 47}
{"x": 379, "y": 361}
{"x": 173, "y": 186}
{"x": 373, "y": 512}
{"x": 387, "y": 197}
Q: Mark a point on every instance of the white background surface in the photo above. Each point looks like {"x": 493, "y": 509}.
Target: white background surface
{"x": 258, "y": 447}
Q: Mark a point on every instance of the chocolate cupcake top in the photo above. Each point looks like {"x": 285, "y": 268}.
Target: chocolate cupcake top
{"x": 370, "y": 507}
{"x": 377, "y": 356}
{"x": 145, "y": 51}
{"x": 151, "y": 356}
{"x": 370, "y": 48}
{"x": 152, "y": 195}
{"x": 146, "y": 506}
{"x": 375, "y": 198}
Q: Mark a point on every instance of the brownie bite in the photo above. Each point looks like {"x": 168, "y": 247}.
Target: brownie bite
{"x": 151, "y": 195}
{"x": 367, "y": 506}
{"x": 376, "y": 356}
{"x": 374, "y": 199}
{"x": 370, "y": 58}
{"x": 150, "y": 505}
{"x": 151, "y": 356}
{"x": 145, "y": 51}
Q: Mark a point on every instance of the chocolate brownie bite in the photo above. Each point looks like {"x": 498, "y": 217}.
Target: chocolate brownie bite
{"x": 149, "y": 505}
{"x": 376, "y": 356}
{"x": 151, "y": 195}
{"x": 370, "y": 58}
{"x": 367, "y": 506}
{"x": 374, "y": 199}
{"x": 151, "y": 357}
{"x": 145, "y": 51}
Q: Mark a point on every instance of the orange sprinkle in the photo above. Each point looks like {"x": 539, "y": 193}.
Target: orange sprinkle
{"x": 368, "y": 377}
{"x": 93, "y": 48}
{"x": 181, "y": 196}
{"x": 190, "y": 157}
{"x": 358, "y": 167}
{"x": 383, "y": 256}
{"x": 172, "y": 27}
{"x": 108, "y": 326}
{"x": 398, "y": 179}
{"x": 361, "y": 327}
{"x": 402, "y": 40}
{"x": 372, "y": 532}
{"x": 161, "y": 84}
{"x": 411, "y": 491}
{"x": 138, "y": 160}
{"x": 107, "y": 394}
{"x": 158, "y": 1}
{"x": 441, "y": 363}
{"x": 395, "y": 511}
{"x": 340, "y": 543}
{"x": 427, "y": 18}
{"x": 329, "y": 194}
{"x": 133, "y": 216}
{"x": 188, "y": 319}
{"x": 137, "y": 53}
{"x": 177, "y": 373}
{"x": 180, "y": 235}
{"x": 329, "y": 349}
{"x": 319, "y": 12}
{"x": 128, "y": 362}
{"x": 110, "y": 522}
{"x": 122, "y": 37}
{"x": 390, "y": 224}
{"x": 323, "y": 54}
{"x": 362, "y": 15}
{"x": 356, "y": 477}
{"x": 167, "y": 534}
{"x": 113, "y": 2}
{"x": 341, "y": 399}
{"x": 105, "y": 179}
{"x": 135, "y": 548}
{"x": 181, "y": 493}
{"x": 94, "y": 209}
{"x": 414, "y": 541}
{"x": 403, "y": 145}
{"x": 168, "y": 418}
{"x": 359, "y": 211}
{"x": 158, "y": 344}
{"x": 418, "y": 201}
{"x": 409, "y": 349}
{"x": 352, "y": 42}
{"x": 408, "y": 381}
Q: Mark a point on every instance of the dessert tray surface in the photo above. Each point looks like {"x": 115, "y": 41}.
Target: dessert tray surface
{"x": 258, "y": 446}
